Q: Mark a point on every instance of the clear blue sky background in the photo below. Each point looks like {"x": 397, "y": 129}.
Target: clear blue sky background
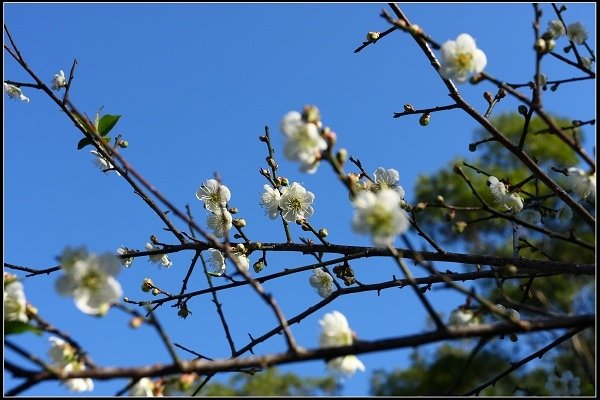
{"x": 196, "y": 84}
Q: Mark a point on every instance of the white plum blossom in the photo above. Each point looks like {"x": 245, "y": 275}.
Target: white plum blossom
{"x": 335, "y": 332}
{"x": 126, "y": 262}
{"x": 321, "y": 281}
{"x": 159, "y": 259}
{"x": 59, "y": 81}
{"x": 379, "y": 215}
{"x": 91, "y": 281}
{"x": 220, "y": 222}
{"x": 564, "y": 385}
{"x": 303, "y": 141}
{"x": 581, "y": 183}
{"x": 346, "y": 365}
{"x": 102, "y": 163}
{"x": 214, "y": 195}
{"x": 295, "y": 202}
{"x": 64, "y": 357}
{"x": 461, "y": 57}
{"x": 14, "y": 92}
{"x": 389, "y": 178}
{"x": 577, "y": 32}
{"x": 216, "y": 260}
{"x": 142, "y": 388}
{"x": 15, "y": 303}
{"x": 514, "y": 314}
{"x": 557, "y": 28}
{"x": 501, "y": 195}
{"x": 239, "y": 256}
{"x": 463, "y": 317}
{"x": 270, "y": 200}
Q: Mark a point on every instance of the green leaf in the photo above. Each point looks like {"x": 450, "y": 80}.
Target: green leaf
{"x": 15, "y": 327}
{"x": 83, "y": 142}
{"x": 107, "y": 122}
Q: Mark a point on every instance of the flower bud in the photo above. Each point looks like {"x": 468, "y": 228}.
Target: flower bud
{"x": 263, "y": 138}
{"x": 271, "y": 162}
{"x": 514, "y": 337}
{"x": 415, "y": 29}
{"x": 409, "y": 108}
{"x": 284, "y": 181}
{"x": 123, "y": 144}
{"x": 155, "y": 292}
{"x": 372, "y": 36}
{"x": 233, "y": 210}
{"x": 424, "y": 120}
{"x": 323, "y": 232}
{"x": 258, "y": 266}
{"x": 440, "y": 199}
{"x": 522, "y": 109}
{"x": 136, "y": 322}
{"x": 420, "y": 206}
{"x": 450, "y": 215}
{"x": 341, "y": 156}
{"x": 475, "y": 79}
{"x": 459, "y": 226}
{"x": 509, "y": 270}
{"x": 501, "y": 94}
{"x": 239, "y": 222}
{"x": 540, "y": 46}
{"x": 472, "y": 147}
{"x": 183, "y": 311}
{"x": 147, "y": 285}
{"x": 240, "y": 247}
{"x": 488, "y": 96}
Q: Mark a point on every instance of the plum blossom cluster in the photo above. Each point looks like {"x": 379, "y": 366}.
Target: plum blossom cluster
{"x": 293, "y": 201}
{"x": 215, "y": 197}
{"x": 576, "y": 32}
{"x": 15, "y": 303}
{"x": 90, "y": 279}
{"x": 335, "y": 331}
{"x": 216, "y": 259}
{"x": 64, "y": 357}
{"x": 503, "y": 196}
{"x": 461, "y": 57}
{"x": 14, "y": 92}
{"x": 304, "y": 137}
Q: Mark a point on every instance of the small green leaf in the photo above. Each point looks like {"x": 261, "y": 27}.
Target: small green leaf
{"x": 15, "y": 327}
{"x": 83, "y": 142}
{"x": 107, "y": 122}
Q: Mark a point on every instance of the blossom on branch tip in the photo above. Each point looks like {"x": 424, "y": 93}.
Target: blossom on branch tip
{"x": 461, "y": 57}
{"x": 303, "y": 143}
{"x": 220, "y": 222}
{"x": 270, "y": 200}
{"x": 379, "y": 215}
{"x": 159, "y": 259}
{"x": 59, "y": 81}
{"x": 501, "y": 195}
{"x": 64, "y": 357}
{"x": 14, "y": 92}
{"x": 295, "y": 202}
{"x": 321, "y": 281}
{"x": 91, "y": 282}
{"x": 577, "y": 32}
{"x": 214, "y": 195}
{"x": 15, "y": 303}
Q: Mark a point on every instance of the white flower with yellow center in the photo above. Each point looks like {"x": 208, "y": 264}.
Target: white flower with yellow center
{"x": 59, "y": 81}
{"x": 14, "y": 92}
{"x": 270, "y": 200}
{"x": 15, "y": 303}
{"x": 296, "y": 202}
{"x": 64, "y": 356}
{"x": 220, "y": 222}
{"x": 159, "y": 259}
{"x": 461, "y": 57}
{"x": 321, "y": 281}
{"x": 303, "y": 141}
{"x": 214, "y": 195}
{"x": 379, "y": 215}
{"x": 577, "y": 32}
{"x": 90, "y": 280}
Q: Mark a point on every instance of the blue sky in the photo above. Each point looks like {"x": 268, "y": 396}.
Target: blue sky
{"x": 195, "y": 85}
